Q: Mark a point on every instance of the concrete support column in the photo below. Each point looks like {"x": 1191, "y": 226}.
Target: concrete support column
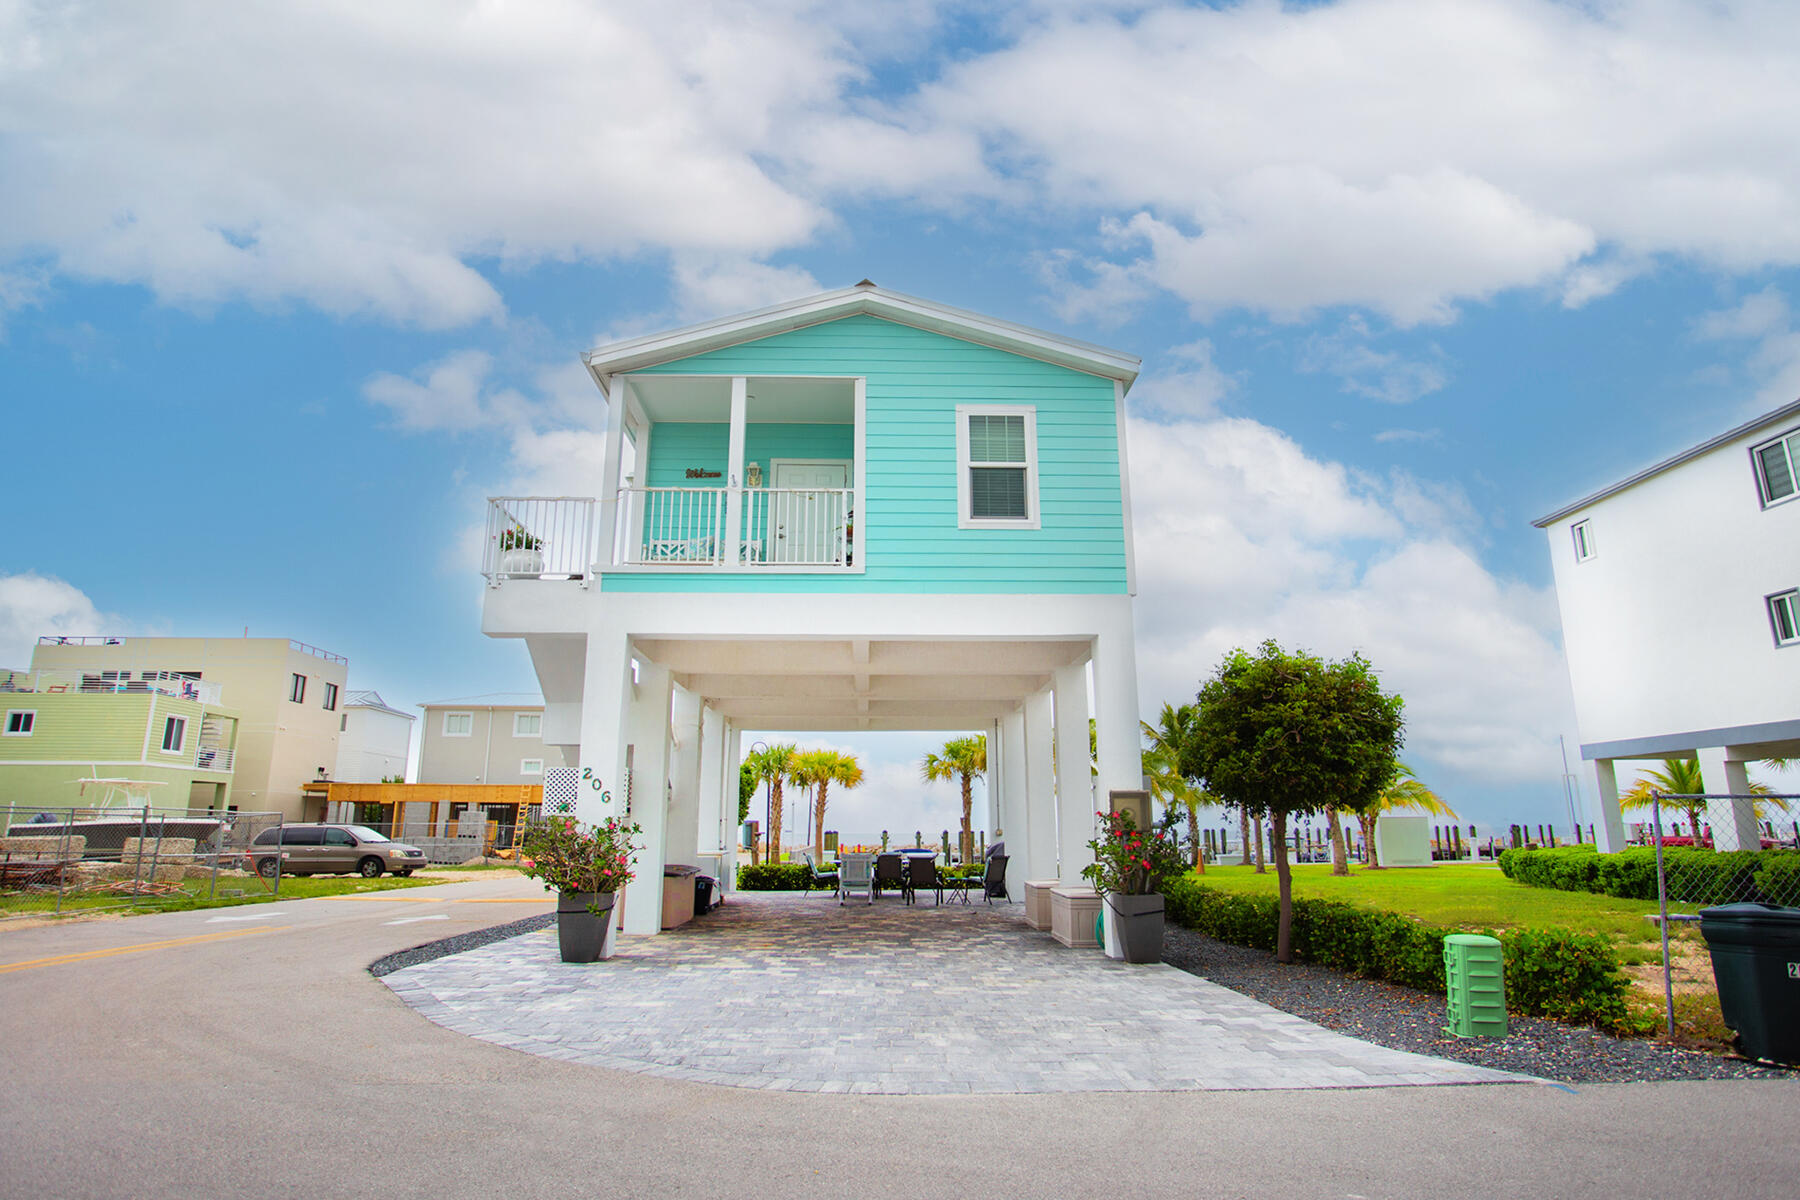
{"x": 734, "y": 758}
{"x": 1116, "y": 715}
{"x": 649, "y": 718}
{"x": 1733, "y": 821}
{"x": 684, "y": 779}
{"x": 605, "y": 696}
{"x": 1609, "y": 825}
{"x": 1038, "y": 832}
{"x": 1012, "y": 823}
{"x": 711, "y": 783}
{"x": 1074, "y": 777}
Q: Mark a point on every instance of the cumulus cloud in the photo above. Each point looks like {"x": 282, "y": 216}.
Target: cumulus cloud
{"x": 34, "y": 606}
{"x": 1766, "y": 322}
{"x": 1362, "y": 370}
{"x": 1241, "y": 535}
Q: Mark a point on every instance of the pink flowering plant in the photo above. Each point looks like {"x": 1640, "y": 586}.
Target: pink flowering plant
{"x": 570, "y": 857}
{"x": 1129, "y": 861}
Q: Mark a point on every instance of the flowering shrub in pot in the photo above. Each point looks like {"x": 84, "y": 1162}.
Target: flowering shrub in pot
{"x": 1129, "y": 867}
{"x": 586, "y": 866}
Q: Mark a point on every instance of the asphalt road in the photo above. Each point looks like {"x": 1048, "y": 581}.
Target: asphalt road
{"x": 247, "y": 1052}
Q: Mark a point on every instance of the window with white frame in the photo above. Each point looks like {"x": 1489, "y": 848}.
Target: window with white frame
{"x": 1778, "y": 467}
{"x": 331, "y": 697}
{"x": 528, "y": 725}
{"x": 20, "y": 722}
{"x": 996, "y": 464}
{"x": 1784, "y": 614}
{"x": 531, "y": 766}
{"x": 297, "y": 688}
{"x": 174, "y": 735}
{"x": 459, "y": 724}
{"x": 1584, "y": 541}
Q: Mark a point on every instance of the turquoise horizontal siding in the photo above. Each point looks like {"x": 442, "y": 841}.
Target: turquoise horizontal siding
{"x": 915, "y": 380}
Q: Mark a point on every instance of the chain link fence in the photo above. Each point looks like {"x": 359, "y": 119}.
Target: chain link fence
{"x": 64, "y": 860}
{"x": 1692, "y": 874}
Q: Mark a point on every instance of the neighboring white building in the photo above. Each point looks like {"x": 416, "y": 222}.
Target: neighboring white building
{"x": 495, "y": 738}
{"x": 855, "y": 511}
{"x": 1680, "y": 596}
{"x": 373, "y": 740}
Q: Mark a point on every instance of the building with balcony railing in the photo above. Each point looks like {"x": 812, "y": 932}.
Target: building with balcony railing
{"x": 856, "y": 511}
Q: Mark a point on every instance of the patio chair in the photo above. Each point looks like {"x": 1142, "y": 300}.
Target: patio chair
{"x": 993, "y": 882}
{"x": 856, "y": 873}
{"x": 821, "y": 879}
{"x": 922, "y": 872}
{"x": 890, "y": 871}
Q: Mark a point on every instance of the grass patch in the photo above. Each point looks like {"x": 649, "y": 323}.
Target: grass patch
{"x": 193, "y": 894}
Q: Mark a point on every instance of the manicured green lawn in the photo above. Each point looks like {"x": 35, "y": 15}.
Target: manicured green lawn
{"x": 232, "y": 890}
{"x": 1466, "y": 895}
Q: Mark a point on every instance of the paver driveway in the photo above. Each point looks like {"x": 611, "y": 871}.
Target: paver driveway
{"x": 788, "y": 993}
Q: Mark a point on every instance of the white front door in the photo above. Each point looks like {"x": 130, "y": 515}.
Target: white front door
{"x": 808, "y": 508}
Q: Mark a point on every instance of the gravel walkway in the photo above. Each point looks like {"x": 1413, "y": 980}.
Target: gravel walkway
{"x": 1404, "y": 1019}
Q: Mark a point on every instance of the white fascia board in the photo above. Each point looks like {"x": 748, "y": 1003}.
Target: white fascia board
{"x": 636, "y": 354}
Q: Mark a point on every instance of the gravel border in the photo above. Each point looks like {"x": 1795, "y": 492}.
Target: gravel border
{"x": 415, "y": 955}
{"x": 1405, "y": 1019}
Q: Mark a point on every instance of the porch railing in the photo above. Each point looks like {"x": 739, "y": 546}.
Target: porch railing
{"x": 213, "y": 758}
{"x": 532, "y": 537}
{"x": 776, "y": 527}
{"x": 671, "y": 526}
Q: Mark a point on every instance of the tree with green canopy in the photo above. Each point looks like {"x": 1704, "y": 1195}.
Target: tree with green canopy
{"x": 1681, "y": 777}
{"x": 818, "y": 770}
{"x": 1162, "y": 765}
{"x": 963, "y": 759}
{"x": 746, "y": 789}
{"x": 773, "y": 765}
{"x": 1283, "y": 735}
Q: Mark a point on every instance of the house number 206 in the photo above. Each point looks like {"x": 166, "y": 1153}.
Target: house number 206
{"x": 592, "y": 780}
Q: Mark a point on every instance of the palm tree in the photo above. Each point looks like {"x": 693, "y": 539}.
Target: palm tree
{"x": 963, "y": 758}
{"x": 819, "y": 769}
{"x": 774, "y": 765}
{"x": 1402, "y": 792}
{"x": 1162, "y": 763}
{"x": 1681, "y": 777}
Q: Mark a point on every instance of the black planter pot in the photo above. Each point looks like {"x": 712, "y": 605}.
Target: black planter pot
{"x": 1138, "y": 921}
{"x": 583, "y": 936}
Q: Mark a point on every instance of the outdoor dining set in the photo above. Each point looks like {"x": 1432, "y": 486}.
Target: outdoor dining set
{"x": 909, "y": 872}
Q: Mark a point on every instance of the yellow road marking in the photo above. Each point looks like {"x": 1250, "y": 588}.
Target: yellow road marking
{"x": 58, "y": 960}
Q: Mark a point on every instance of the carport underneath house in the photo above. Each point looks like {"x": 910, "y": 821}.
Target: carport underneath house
{"x": 672, "y": 705}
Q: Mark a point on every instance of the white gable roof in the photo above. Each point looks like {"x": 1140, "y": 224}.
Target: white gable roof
{"x": 865, "y": 298}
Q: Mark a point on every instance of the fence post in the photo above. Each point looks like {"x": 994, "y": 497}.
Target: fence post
{"x": 1662, "y": 908}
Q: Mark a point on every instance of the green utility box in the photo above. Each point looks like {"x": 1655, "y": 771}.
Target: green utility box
{"x": 1756, "y": 962}
{"x": 1474, "y": 975}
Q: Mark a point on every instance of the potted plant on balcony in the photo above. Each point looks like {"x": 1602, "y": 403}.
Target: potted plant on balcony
{"x": 520, "y": 553}
{"x": 586, "y": 867}
{"x": 1129, "y": 865}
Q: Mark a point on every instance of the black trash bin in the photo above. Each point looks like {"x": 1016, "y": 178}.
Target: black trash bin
{"x": 1756, "y": 962}
{"x": 703, "y": 893}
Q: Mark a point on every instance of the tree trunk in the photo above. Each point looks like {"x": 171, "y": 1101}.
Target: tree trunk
{"x": 1284, "y": 930}
{"x": 775, "y": 807}
{"x": 819, "y": 823}
{"x": 968, "y": 830}
{"x": 1260, "y": 868}
{"x": 1194, "y": 836}
{"x": 1370, "y": 857}
{"x": 1340, "y": 859}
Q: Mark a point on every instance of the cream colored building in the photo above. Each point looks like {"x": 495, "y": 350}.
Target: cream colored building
{"x": 374, "y": 740}
{"x": 495, "y": 738}
{"x": 288, "y": 696}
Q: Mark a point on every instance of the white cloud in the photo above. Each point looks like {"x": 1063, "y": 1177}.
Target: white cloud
{"x": 1765, "y": 320}
{"x": 710, "y": 286}
{"x": 34, "y": 606}
{"x": 1242, "y": 536}
{"x": 1365, "y": 371}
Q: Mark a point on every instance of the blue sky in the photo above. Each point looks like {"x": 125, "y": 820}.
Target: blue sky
{"x": 285, "y": 293}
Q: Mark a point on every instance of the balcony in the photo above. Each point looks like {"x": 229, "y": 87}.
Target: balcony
{"x": 746, "y": 529}
{"x": 214, "y": 758}
{"x": 108, "y": 682}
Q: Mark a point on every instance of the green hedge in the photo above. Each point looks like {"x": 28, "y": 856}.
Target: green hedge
{"x": 1549, "y": 972}
{"x": 775, "y": 877}
{"x": 1695, "y": 876}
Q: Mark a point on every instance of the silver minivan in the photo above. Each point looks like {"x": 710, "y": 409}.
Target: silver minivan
{"x": 330, "y": 850}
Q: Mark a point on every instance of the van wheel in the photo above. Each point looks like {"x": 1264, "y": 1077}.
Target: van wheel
{"x": 265, "y": 867}
{"x": 369, "y": 868}
{"x": 404, "y": 874}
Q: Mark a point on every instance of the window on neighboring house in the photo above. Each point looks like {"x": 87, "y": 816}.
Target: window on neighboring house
{"x": 20, "y": 722}
{"x": 1584, "y": 541}
{"x": 1778, "y": 467}
{"x": 996, "y": 452}
{"x": 331, "y": 697}
{"x": 174, "y": 734}
{"x": 531, "y": 766}
{"x": 528, "y": 725}
{"x": 297, "y": 689}
{"x": 344, "y": 723}
{"x": 1784, "y": 613}
{"x": 459, "y": 724}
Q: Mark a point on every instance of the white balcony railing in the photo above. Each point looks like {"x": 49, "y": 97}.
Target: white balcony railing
{"x": 212, "y": 758}
{"x": 533, "y": 537}
{"x": 671, "y": 526}
{"x": 776, "y": 527}
{"x": 108, "y": 681}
